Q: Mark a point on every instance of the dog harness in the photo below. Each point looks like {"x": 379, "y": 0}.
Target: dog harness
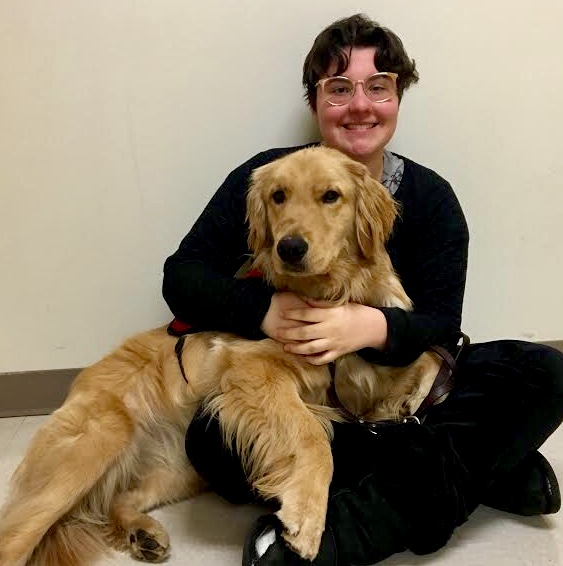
{"x": 182, "y": 329}
{"x": 443, "y": 384}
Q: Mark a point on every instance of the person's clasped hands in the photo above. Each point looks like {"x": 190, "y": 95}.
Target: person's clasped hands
{"x": 322, "y": 331}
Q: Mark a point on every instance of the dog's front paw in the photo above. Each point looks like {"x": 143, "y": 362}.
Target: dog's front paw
{"x": 303, "y": 528}
{"x": 153, "y": 546}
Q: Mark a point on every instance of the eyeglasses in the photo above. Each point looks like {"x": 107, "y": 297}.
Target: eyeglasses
{"x": 379, "y": 87}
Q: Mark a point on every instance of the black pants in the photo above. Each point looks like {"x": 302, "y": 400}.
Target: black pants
{"x": 409, "y": 486}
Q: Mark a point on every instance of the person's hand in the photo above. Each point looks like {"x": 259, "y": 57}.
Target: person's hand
{"x": 321, "y": 332}
{"x": 274, "y": 321}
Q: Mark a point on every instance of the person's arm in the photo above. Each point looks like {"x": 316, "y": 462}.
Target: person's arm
{"x": 199, "y": 285}
{"x": 429, "y": 251}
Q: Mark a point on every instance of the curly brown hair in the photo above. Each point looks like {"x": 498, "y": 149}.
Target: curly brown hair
{"x": 334, "y": 43}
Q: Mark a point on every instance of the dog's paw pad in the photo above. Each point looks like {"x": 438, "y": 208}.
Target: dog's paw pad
{"x": 147, "y": 546}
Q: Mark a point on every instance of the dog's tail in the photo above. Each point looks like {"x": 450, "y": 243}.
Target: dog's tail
{"x": 70, "y": 543}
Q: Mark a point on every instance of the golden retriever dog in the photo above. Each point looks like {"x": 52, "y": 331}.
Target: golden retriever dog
{"x": 115, "y": 448}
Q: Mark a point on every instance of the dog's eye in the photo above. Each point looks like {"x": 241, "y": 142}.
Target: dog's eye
{"x": 331, "y": 196}
{"x": 278, "y": 196}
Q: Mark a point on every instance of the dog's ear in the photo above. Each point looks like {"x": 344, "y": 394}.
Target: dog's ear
{"x": 256, "y": 215}
{"x": 376, "y": 211}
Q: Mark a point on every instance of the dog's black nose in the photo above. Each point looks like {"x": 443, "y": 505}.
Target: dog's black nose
{"x": 292, "y": 249}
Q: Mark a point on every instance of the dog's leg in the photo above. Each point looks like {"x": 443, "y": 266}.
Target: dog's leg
{"x": 65, "y": 459}
{"x": 304, "y": 494}
{"x": 144, "y": 536}
{"x": 284, "y": 447}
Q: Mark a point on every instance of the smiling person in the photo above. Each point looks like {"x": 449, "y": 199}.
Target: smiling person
{"x": 410, "y": 485}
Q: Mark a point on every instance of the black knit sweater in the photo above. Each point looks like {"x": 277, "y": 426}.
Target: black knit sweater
{"x": 428, "y": 249}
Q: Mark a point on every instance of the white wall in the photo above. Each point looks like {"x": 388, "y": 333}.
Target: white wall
{"x": 118, "y": 120}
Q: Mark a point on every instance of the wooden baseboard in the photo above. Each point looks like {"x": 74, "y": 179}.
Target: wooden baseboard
{"x": 34, "y": 392}
{"x": 41, "y": 392}
{"x": 557, "y": 344}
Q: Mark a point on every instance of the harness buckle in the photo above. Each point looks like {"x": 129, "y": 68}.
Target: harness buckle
{"x": 373, "y": 426}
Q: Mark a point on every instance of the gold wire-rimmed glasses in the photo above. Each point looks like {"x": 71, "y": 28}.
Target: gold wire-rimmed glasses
{"x": 379, "y": 87}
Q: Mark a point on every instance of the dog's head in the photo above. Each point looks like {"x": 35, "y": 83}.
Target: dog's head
{"x": 309, "y": 209}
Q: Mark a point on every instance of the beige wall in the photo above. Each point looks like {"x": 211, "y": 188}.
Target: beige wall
{"x": 119, "y": 119}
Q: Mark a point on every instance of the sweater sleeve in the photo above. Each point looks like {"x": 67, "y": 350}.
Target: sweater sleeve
{"x": 199, "y": 284}
{"x": 429, "y": 249}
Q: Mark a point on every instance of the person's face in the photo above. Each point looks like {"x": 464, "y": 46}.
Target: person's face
{"x": 361, "y": 128}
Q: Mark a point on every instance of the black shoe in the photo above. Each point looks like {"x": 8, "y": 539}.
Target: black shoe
{"x": 530, "y": 489}
{"x": 266, "y": 532}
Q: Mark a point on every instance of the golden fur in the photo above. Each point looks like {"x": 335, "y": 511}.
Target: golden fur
{"x": 115, "y": 449}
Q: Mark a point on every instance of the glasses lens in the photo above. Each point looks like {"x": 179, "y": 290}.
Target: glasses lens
{"x": 380, "y": 87}
{"x": 338, "y": 90}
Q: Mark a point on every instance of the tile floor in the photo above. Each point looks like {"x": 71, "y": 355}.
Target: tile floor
{"x": 206, "y": 531}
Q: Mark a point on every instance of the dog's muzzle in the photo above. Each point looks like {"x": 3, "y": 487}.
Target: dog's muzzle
{"x": 292, "y": 250}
